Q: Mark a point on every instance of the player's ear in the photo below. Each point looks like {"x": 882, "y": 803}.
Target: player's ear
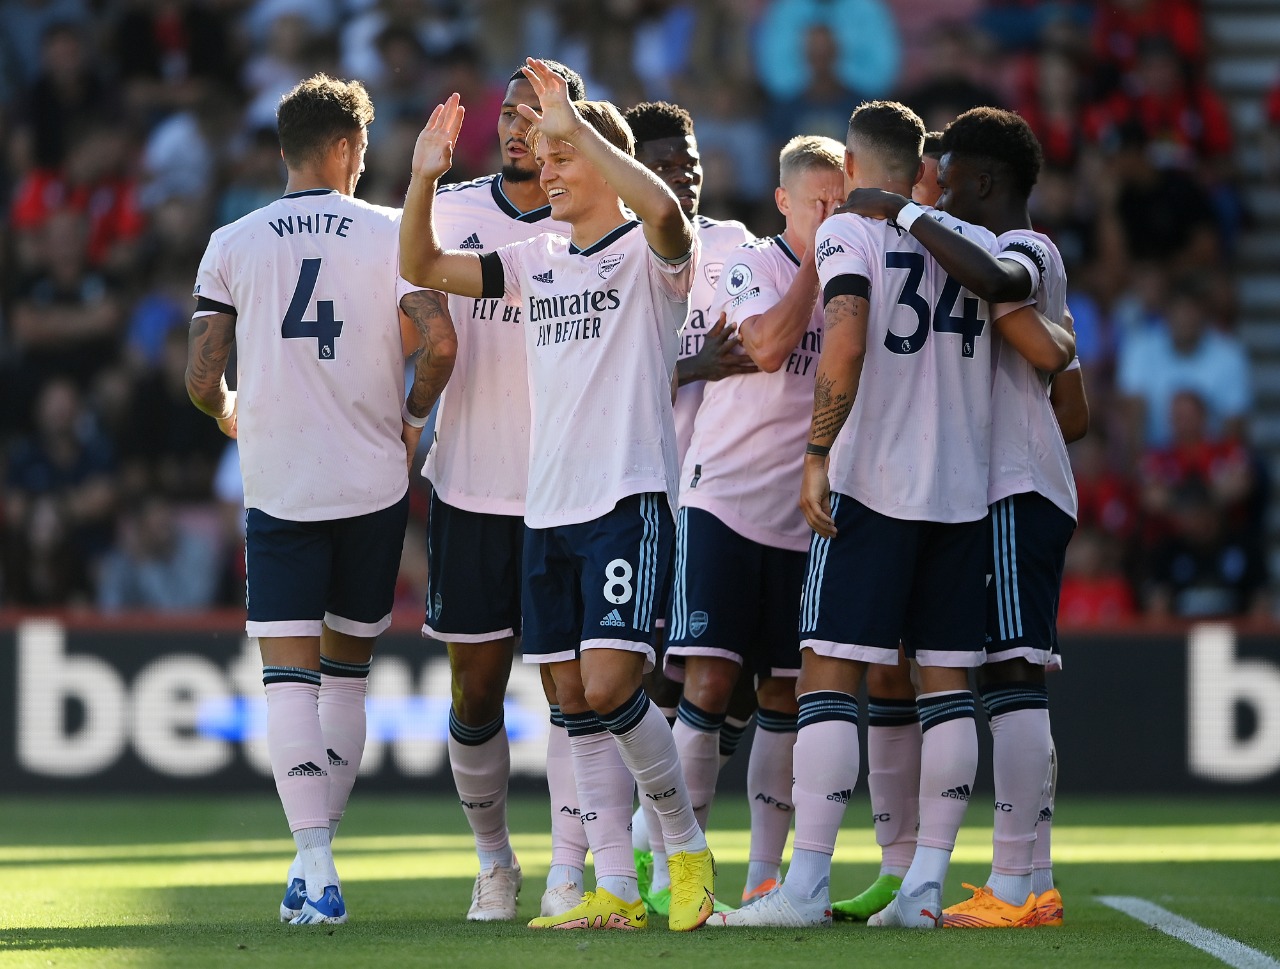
{"x": 984, "y": 184}
{"x": 919, "y": 174}
{"x": 782, "y": 200}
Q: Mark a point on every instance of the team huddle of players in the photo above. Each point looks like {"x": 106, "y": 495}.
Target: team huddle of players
{"x": 863, "y": 476}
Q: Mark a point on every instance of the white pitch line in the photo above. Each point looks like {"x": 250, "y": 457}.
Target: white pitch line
{"x": 1221, "y": 947}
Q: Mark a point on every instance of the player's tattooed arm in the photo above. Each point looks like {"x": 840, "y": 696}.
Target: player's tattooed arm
{"x": 830, "y": 410}
{"x": 209, "y": 344}
{"x": 834, "y": 392}
{"x": 439, "y": 341}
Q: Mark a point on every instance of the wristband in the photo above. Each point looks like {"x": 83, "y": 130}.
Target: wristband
{"x": 817, "y": 450}
{"x": 907, "y": 216}
{"x": 409, "y": 418}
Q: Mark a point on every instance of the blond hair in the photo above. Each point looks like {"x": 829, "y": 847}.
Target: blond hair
{"x": 805, "y": 153}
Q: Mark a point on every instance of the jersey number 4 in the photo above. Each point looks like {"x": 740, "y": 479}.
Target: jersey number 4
{"x": 324, "y": 329}
{"x": 968, "y": 324}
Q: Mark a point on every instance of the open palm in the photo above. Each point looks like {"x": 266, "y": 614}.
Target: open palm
{"x": 558, "y": 118}
{"x": 433, "y": 153}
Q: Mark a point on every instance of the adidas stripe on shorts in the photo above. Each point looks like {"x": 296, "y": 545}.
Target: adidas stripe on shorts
{"x": 1027, "y": 547}
{"x": 597, "y": 583}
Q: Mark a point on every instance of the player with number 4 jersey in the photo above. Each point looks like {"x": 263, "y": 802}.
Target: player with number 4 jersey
{"x": 307, "y": 290}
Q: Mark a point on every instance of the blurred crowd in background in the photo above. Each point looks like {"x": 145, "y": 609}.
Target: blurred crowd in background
{"x": 132, "y": 128}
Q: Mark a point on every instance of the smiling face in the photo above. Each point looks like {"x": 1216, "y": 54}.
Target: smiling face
{"x": 573, "y": 185}
{"x": 517, "y": 159}
{"x": 927, "y": 190}
{"x": 677, "y": 162}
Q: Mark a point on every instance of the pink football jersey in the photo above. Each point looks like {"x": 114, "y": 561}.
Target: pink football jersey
{"x": 1027, "y": 450}
{"x": 313, "y": 279}
{"x": 718, "y": 240}
{"x": 745, "y": 461}
{"x": 479, "y": 460}
{"x": 916, "y": 445}
{"x": 602, "y": 327}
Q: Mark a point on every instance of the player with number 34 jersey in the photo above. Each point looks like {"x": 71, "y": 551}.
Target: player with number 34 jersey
{"x": 913, "y": 448}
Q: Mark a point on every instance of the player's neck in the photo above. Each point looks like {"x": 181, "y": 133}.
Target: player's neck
{"x": 309, "y": 181}
{"x": 593, "y": 226}
{"x": 526, "y": 195}
{"x": 1007, "y": 216}
{"x": 794, "y": 241}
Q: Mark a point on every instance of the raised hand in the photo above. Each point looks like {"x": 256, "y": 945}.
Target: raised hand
{"x": 558, "y": 118}
{"x": 433, "y": 153}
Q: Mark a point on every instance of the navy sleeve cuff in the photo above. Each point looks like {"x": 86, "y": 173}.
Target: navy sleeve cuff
{"x": 848, "y": 284}
{"x": 492, "y": 278}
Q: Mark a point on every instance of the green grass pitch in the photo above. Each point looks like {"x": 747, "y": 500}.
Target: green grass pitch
{"x": 194, "y": 882}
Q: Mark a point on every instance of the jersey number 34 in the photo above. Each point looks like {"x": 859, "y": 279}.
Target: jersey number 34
{"x": 324, "y": 329}
{"x": 968, "y": 324}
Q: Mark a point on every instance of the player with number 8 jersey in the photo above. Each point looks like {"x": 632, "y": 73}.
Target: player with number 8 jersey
{"x": 602, "y": 312}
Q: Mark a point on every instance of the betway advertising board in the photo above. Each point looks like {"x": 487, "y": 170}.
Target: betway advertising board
{"x": 154, "y": 710}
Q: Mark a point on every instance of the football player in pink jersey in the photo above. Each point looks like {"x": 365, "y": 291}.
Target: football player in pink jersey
{"x": 742, "y": 469}
{"x": 667, "y": 146}
{"x": 478, "y": 467}
{"x": 602, "y": 315}
{"x": 902, "y": 411}
{"x": 307, "y": 289}
{"x": 991, "y": 163}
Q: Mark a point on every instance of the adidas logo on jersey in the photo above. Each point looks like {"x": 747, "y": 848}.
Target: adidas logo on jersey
{"x": 842, "y": 796}
{"x": 543, "y": 277}
{"x": 335, "y": 759}
{"x": 613, "y": 619}
{"x": 473, "y": 242}
{"x": 308, "y": 770}
{"x": 960, "y": 793}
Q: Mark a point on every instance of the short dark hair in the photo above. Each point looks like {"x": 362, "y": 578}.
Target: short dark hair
{"x": 651, "y": 120}
{"x": 316, "y": 113}
{"x": 933, "y": 145}
{"x": 577, "y": 86}
{"x": 892, "y": 131}
{"x": 607, "y": 120}
{"x": 998, "y": 138}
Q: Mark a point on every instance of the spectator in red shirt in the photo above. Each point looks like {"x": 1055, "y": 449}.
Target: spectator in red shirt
{"x": 1181, "y": 116}
{"x": 1222, "y": 465}
{"x": 94, "y": 182}
{"x": 1095, "y": 591}
{"x": 1122, "y": 25}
